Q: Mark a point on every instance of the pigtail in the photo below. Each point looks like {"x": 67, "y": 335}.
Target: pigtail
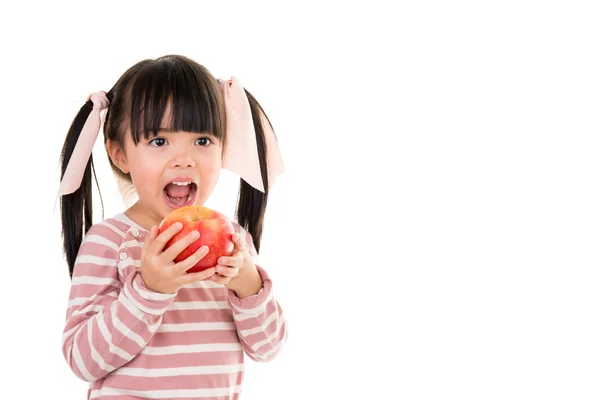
{"x": 252, "y": 203}
{"x": 76, "y": 207}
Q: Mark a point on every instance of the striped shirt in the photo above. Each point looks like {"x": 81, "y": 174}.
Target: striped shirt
{"x": 132, "y": 343}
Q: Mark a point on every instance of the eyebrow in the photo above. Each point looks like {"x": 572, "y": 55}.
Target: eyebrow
{"x": 196, "y": 133}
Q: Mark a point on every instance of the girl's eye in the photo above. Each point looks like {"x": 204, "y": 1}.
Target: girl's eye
{"x": 158, "y": 142}
{"x": 203, "y": 141}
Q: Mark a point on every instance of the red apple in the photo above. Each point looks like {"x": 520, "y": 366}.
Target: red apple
{"x": 215, "y": 231}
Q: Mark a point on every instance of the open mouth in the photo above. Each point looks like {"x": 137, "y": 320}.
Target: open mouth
{"x": 179, "y": 194}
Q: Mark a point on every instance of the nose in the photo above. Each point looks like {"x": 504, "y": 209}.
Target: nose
{"x": 183, "y": 159}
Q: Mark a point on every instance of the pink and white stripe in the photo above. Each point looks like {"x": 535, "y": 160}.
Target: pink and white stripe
{"x": 132, "y": 343}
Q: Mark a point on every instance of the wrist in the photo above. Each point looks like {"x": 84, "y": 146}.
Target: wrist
{"x": 247, "y": 283}
{"x": 146, "y": 284}
{"x": 145, "y": 299}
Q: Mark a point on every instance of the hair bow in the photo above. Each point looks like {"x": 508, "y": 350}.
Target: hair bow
{"x": 240, "y": 155}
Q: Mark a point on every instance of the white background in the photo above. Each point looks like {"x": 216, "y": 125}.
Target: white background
{"x": 435, "y": 234}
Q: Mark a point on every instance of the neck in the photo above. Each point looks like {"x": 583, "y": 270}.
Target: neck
{"x": 142, "y": 216}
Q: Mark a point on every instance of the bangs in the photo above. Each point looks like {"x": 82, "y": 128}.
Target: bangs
{"x": 185, "y": 89}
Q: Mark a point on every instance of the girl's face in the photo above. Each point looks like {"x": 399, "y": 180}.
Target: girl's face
{"x": 169, "y": 171}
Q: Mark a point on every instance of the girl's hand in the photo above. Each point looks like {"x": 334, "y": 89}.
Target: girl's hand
{"x": 233, "y": 269}
{"x": 159, "y": 272}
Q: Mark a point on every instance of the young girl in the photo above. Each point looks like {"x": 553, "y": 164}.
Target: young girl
{"x": 138, "y": 325}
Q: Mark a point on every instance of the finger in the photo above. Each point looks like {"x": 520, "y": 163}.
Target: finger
{"x": 161, "y": 240}
{"x": 239, "y": 241}
{"x": 195, "y": 276}
{"x": 231, "y": 261}
{"x": 180, "y": 245}
{"x": 148, "y": 240}
{"x": 220, "y": 279}
{"x": 182, "y": 266}
{"x": 150, "y": 237}
{"x": 229, "y": 272}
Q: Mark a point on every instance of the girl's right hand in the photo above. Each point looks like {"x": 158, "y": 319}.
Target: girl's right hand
{"x": 159, "y": 271}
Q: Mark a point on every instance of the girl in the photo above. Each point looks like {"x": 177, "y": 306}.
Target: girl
{"x": 138, "y": 325}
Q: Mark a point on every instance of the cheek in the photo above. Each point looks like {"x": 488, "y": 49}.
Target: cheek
{"x": 214, "y": 169}
{"x": 214, "y": 160}
{"x": 144, "y": 169}
{"x": 211, "y": 169}
{"x": 215, "y": 166}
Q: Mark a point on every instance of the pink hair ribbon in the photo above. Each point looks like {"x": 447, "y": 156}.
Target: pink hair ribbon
{"x": 240, "y": 155}
{"x": 71, "y": 180}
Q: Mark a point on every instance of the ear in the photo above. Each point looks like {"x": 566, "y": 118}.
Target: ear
{"x": 117, "y": 155}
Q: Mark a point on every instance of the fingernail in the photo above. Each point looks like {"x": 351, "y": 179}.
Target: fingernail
{"x": 195, "y": 234}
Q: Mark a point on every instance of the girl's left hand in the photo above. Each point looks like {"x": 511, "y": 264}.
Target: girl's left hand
{"x": 230, "y": 269}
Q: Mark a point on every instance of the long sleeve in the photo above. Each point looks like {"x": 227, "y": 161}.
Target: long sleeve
{"x": 111, "y": 315}
{"x": 260, "y": 321}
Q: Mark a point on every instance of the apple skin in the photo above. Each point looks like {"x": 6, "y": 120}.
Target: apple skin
{"x": 215, "y": 230}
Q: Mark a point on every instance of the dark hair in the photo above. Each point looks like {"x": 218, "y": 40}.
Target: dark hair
{"x": 139, "y": 98}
